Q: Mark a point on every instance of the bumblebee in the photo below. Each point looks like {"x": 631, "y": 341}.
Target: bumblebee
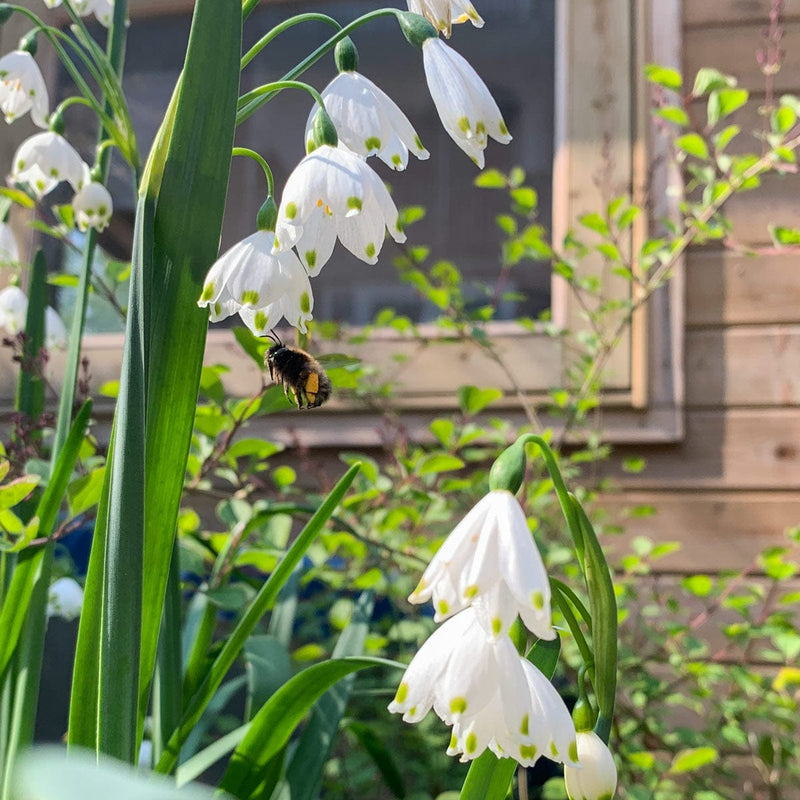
{"x": 299, "y": 372}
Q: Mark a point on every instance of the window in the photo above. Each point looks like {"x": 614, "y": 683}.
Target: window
{"x": 566, "y": 75}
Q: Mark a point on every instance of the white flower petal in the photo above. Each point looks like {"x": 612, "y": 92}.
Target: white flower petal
{"x": 22, "y": 88}
{"x": 46, "y": 159}
{"x": 259, "y": 285}
{"x": 466, "y": 108}
{"x": 13, "y": 309}
{"x": 444, "y": 13}
{"x": 596, "y": 777}
{"x": 55, "y": 332}
{"x": 65, "y": 599}
{"x": 93, "y": 207}
{"x": 9, "y": 252}
{"x": 318, "y": 239}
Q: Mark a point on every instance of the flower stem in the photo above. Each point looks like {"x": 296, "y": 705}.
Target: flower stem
{"x": 249, "y": 104}
{"x": 284, "y": 26}
{"x": 278, "y": 86}
{"x": 575, "y": 629}
{"x": 246, "y": 151}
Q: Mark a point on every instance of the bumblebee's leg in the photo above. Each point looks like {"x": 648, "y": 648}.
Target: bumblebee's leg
{"x": 311, "y": 389}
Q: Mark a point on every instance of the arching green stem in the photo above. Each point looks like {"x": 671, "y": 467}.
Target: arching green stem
{"x": 574, "y": 626}
{"x": 284, "y": 26}
{"x": 250, "y": 103}
{"x": 575, "y": 600}
{"x": 278, "y": 86}
{"x": 246, "y": 151}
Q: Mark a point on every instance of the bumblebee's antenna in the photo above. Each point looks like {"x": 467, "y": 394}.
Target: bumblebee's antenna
{"x": 274, "y": 336}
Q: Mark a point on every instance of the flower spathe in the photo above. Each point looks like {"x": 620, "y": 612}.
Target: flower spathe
{"x": 491, "y": 696}
{"x": 261, "y": 286}
{"x": 46, "y": 159}
{"x": 93, "y": 207}
{"x": 368, "y": 121}
{"x": 490, "y": 560}
{"x": 466, "y": 107}
{"x": 334, "y": 193}
{"x": 22, "y": 88}
{"x": 597, "y": 777}
{"x": 444, "y": 13}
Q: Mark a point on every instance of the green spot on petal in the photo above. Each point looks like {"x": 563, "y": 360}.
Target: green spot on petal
{"x": 20, "y": 165}
{"x": 396, "y": 160}
{"x": 402, "y": 693}
{"x": 497, "y": 626}
{"x": 573, "y": 751}
{"x": 208, "y": 293}
{"x": 373, "y": 143}
{"x": 418, "y": 142}
{"x": 305, "y": 303}
{"x": 480, "y": 129}
{"x": 553, "y": 750}
{"x": 503, "y": 128}
{"x": 54, "y": 172}
{"x": 453, "y": 741}
{"x": 523, "y": 728}
{"x": 249, "y": 297}
{"x": 537, "y": 599}
{"x": 471, "y": 745}
{"x": 311, "y": 258}
{"x": 217, "y": 308}
{"x": 261, "y": 320}
{"x": 458, "y": 705}
{"x": 527, "y": 751}
{"x": 354, "y": 203}
{"x": 102, "y": 211}
{"x": 471, "y": 592}
{"x": 370, "y": 250}
{"x": 443, "y": 608}
{"x": 291, "y": 211}
{"x": 463, "y": 123}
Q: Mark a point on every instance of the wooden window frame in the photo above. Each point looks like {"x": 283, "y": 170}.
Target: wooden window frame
{"x": 601, "y": 48}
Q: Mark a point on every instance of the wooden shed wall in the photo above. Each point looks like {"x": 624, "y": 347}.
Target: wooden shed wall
{"x": 731, "y": 487}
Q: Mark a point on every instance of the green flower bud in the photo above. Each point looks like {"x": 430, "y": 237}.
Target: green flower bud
{"x": 267, "y": 215}
{"x": 583, "y": 715}
{"x": 324, "y": 131}
{"x": 508, "y": 471}
{"x": 346, "y": 56}
{"x": 29, "y": 43}
{"x": 56, "y": 123}
{"x": 5, "y": 13}
{"x": 416, "y": 28}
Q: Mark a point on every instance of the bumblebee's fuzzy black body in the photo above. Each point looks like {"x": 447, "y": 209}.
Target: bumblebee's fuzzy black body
{"x": 299, "y": 372}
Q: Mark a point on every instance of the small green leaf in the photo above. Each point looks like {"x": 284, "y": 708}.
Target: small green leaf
{"x": 252, "y": 345}
{"x": 525, "y": 197}
{"x": 708, "y": 79}
{"x": 784, "y": 237}
{"x": 663, "y": 76}
{"x": 698, "y": 585}
{"x": 694, "y": 145}
{"x": 594, "y": 222}
{"x": 675, "y": 115}
{"x": 439, "y": 462}
{"x": 19, "y": 197}
{"x": 491, "y": 179}
{"x": 17, "y": 490}
{"x": 84, "y": 493}
{"x": 633, "y": 464}
{"x": 473, "y": 400}
{"x": 693, "y": 758}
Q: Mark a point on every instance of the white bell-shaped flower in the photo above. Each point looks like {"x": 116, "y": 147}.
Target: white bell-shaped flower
{"x": 22, "y": 88}
{"x": 92, "y": 207}
{"x": 65, "y": 599}
{"x": 103, "y": 9}
{"x": 444, "y": 13}
{"x": 13, "y": 309}
{"x": 55, "y": 332}
{"x": 9, "y": 252}
{"x": 596, "y": 777}
{"x": 46, "y": 159}
{"x": 489, "y": 694}
{"x": 466, "y": 107}
{"x": 332, "y": 192}
{"x": 490, "y": 560}
{"x": 368, "y": 121}
{"x": 261, "y": 286}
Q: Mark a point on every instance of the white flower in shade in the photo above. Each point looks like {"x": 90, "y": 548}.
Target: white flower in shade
{"x": 259, "y": 285}
{"x": 466, "y": 107}
{"x": 368, "y": 121}
{"x": 103, "y": 9}
{"x": 489, "y": 694}
{"x": 444, "y": 13}
{"x": 55, "y": 332}
{"x": 597, "y": 777}
{"x": 13, "y": 309}
{"x": 93, "y": 207}
{"x": 104, "y": 12}
{"x": 46, "y": 159}
{"x": 9, "y": 252}
{"x": 22, "y": 88}
{"x": 65, "y": 599}
{"x": 491, "y": 561}
{"x": 332, "y": 192}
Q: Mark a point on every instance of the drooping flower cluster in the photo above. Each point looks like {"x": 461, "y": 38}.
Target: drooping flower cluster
{"x": 103, "y": 10}
{"x": 486, "y": 572}
{"x": 333, "y": 193}
{"x": 13, "y": 313}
